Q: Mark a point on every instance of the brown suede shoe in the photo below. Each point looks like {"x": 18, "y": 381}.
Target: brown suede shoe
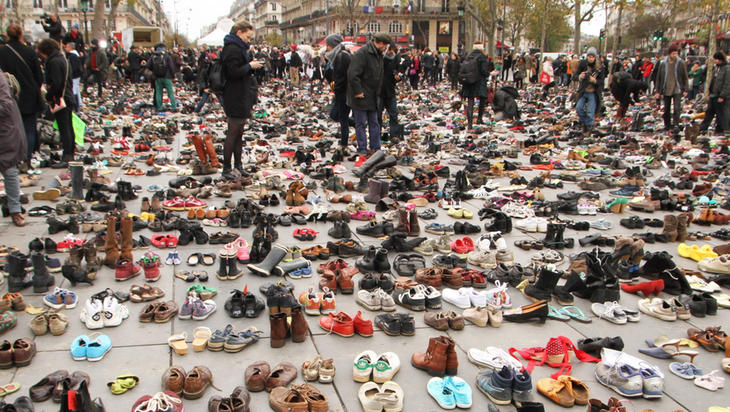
{"x": 173, "y": 379}
{"x": 287, "y": 400}
{"x": 315, "y": 399}
{"x": 436, "y": 320}
{"x": 165, "y": 311}
{"x": 240, "y": 400}
{"x": 23, "y": 351}
{"x": 196, "y": 382}
{"x": 281, "y": 375}
{"x": 6, "y": 355}
{"x": 255, "y": 376}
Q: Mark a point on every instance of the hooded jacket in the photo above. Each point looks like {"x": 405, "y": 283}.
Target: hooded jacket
{"x": 505, "y": 101}
{"x": 720, "y": 82}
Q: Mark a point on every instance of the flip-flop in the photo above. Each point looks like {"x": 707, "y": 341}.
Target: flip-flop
{"x": 208, "y": 259}
{"x": 122, "y": 384}
{"x": 200, "y": 338}
{"x": 556, "y": 314}
{"x": 9, "y": 388}
{"x": 194, "y": 259}
{"x": 178, "y": 344}
{"x": 575, "y": 313}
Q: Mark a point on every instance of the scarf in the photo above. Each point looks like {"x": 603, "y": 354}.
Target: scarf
{"x": 230, "y": 38}
{"x": 330, "y": 55}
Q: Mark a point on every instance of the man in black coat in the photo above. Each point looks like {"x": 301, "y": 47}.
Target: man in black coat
{"x": 388, "y": 100}
{"x": 53, "y": 27}
{"x": 295, "y": 64}
{"x": 164, "y": 70}
{"x": 338, "y": 63}
{"x": 504, "y": 103}
{"x": 364, "y": 80}
{"x": 22, "y": 62}
{"x": 240, "y": 93}
{"x": 717, "y": 104}
{"x": 75, "y": 36}
{"x": 58, "y": 89}
{"x": 135, "y": 64}
{"x": 590, "y": 78}
{"x": 623, "y": 88}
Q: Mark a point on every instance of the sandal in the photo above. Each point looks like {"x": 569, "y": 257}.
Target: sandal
{"x": 185, "y": 275}
{"x": 208, "y": 259}
{"x": 123, "y": 383}
{"x": 178, "y": 343}
{"x": 200, "y": 338}
{"x": 9, "y": 388}
{"x": 575, "y": 313}
{"x": 704, "y": 338}
{"x": 554, "y": 313}
{"x": 144, "y": 293}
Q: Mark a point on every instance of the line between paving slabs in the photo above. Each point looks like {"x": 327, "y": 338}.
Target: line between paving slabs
{"x": 334, "y": 382}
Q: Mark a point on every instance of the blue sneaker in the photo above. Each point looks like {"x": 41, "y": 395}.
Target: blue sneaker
{"x": 60, "y": 298}
{"x": 461, "y": 390}
{"x": 497, "y": 385}
{"x": 78, "y": 347}
{"x": 443, "y": 395}
{"x": 97, "y": 348}
{"x": 522, "y": 388}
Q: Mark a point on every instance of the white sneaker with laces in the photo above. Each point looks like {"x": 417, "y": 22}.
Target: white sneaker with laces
{"x": 93, "y": 314}
{"x": 456, "y": 297}
{"x": 477, "y": 298}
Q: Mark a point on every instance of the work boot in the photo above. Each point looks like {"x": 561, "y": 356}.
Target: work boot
{"x": 543, "y": 287}
{"x": 111, "y": 248}
{"x": 403, "y": 222}
{"x": 299, "y": 325}
{"x": 17, "y": 277}
{"x": 42, "y": 280}
{"x": 264, "y": 268}
{"x": 77, "y": 180}
{"x": 433, "y": 360}
{"x": 682, "y": 228}
{"x": 452, "y": 361}
{"x": 279, "y": 329}
{"x": 671, "y": 228}
{"x": 125, "y": 233}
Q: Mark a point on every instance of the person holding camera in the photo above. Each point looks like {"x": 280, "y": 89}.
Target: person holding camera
{"x": 52, "y": 25}
{"x": 59, "y": 95}
{"x": 590, "y": 78}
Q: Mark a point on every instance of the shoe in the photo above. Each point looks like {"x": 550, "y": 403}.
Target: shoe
{"x": 658, "y": 308}
{"x": 440, "y": 393}
{"x": 340, "y": 324}
{"x": 496, "y": 384}
{"x": 622, "y": 378}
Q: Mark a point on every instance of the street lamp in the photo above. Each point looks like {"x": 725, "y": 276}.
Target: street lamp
{"x": 84, "y": 9}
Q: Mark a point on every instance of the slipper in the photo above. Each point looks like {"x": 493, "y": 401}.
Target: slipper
{"x": 178, "y": 344}
{"x": 557, "y": 391}
{"x": 9, "y": 388}
{"x": 194, "y": 259}
{"x": 122, "y": 384}
{"x": 208, "y": 259}
{"x": 32, "y": 310}
{"x": 185, "y": 275}
{"x": 575, "y": 313}
{"x": 200, "y": 338}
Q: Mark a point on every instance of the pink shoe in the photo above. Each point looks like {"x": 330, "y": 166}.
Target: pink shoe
{"x": 241, "y": 250}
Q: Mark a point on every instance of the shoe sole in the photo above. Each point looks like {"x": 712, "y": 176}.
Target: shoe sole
{"x": 50, "y": 194}
{"x": 429, "y": 371}
{"x": 617, "y": 389}
{"x": 337, "y": 333}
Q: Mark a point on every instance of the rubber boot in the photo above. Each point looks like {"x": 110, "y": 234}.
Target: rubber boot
{"x": 374, "y": 159}
{"x": 286, "y": 267}
{"x": 212, "y": 156}
{"x": 111, "y": 248}
{"x": 125, "y": 233}
{"x": 543, "y": 287}
{"x": 264, "y": 268}
{"x": 434, "y": 359}
{"x": 200, "y": 148}
{"x": 41, "y": 279}
{"x": 233, "y": 271}
{"x": 222, "y": 272}
{"x": 299, "y": 325}
{"x": 17, "y": 278}
{"x": 375, "y": 190}
{"x": 77, "y": 180}
{"x": 386, "y": 162}
{"x": 279, "y": 329}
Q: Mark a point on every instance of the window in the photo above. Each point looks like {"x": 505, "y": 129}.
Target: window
{"x": 395, "y": 27}
{"x": 374, "y": 27}
{"x": 62, "y": 4}
{"x": 108, "y": 4}
{"x": 38, "y": 4}
{"x": 444, "y": 6}
{"x": 421, "y": 5}
{"x": 10, "y": 3}
{"x": 273, "y": 6}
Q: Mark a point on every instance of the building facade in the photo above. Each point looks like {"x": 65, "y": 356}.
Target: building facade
{"x": 243, "y": 10}
{"x": 267, "y": 18}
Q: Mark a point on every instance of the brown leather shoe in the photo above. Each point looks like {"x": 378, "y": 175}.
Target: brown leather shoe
{"x": 255, "y": 376}
{"x": 6, "y": 355}
{"x": 452, "y": 361}
{"x": 436, "y": 320}
{"x": 315, "y": 399}
{"x": 279, "y": 329}
{"x": 23, "y": 351}
{"x": 196, "y": 382}
{"x": 165, "y": 311}
{"x": 281, "y": 375}
{"x": 287, "y": 400}
{"x": 328, "y": 280}
{"x": 344, "y": 279}
{"x": 74, "y": 383}
{"x": 148, "y": 313}
{"x": 173, "y": 379}
{"x": 299, "y": 325}
{"x": 429, "y": 276}
{"x": 450, "y": 279}
{"x": 240, "y": 400}
{"x": 18, "y": 219}
{"x": 42, "y": 391}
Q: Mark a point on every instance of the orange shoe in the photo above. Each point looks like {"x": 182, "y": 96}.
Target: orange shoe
{"x": 311, "y": 302}
{"x": 326, "y": 301}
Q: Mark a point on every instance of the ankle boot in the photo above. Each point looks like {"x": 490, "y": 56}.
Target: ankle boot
{"x": 233, "y": 271}
{"x": 77, "y": 180}
{"x": 403, "y": 222}
{"x": 543, "y": 287}
{"x": 75, "y": 256}
{"x": 41, "y": 279}
{"x": 17, "y": 277}
{"x": 125, "y": 233}
{"x": 670, "y": 228}
{"x": 452, "y": 360}
{"x": 279, "y": 329}
{"x": 340, "y": 230}
{"x": 95, "y": 194}
{"x": 414, "y": 229}
{"x": 433, "y": 360}
{"x": 93, "y": 263}
{"x": 212, "y": 156}
{"x": 550, "y": 235}
{"x": 574, "y": 283}
{"x": 222, "y": 272}
{"x": 75, "y": 274}
{"x": 375, "y": 189}
{"x": 200, "y": 148}
{"x": 367, "y": 262}
{"x": 287, "y": 267}
{"x": 111, "y": 248}
{"x": 55, "y": 225}
{"x": 264, "y": 268}
{"x": 682, "y": 228}
{"x": 299, "y": 325}
{"x": 374, "y": 159}
{"x": 382, "y": 264}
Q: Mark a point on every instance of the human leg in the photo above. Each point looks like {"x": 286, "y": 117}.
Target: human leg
{"x": 709, "y": 114}
{"x": 158, "y": 94}
{"x": 374, "y": 130}
{"x": 234, "y": 134}
{"x": 66, "y": 133}
{"x": 677, "y": 102}
{"x": 361, "y": 119}
{"x": 171, "y": 93}
{"x": 31, "y": 133}
{"x": 201, "y": 102}
{"x": 667, "y": 116}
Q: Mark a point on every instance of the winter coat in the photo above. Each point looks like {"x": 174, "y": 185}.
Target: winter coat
{"x": 340, "y": 67}
{"x": 135, "y": 60}
{"x": 428, "y": 61}
{"x": 504, "y": 101}
{"x": 58, "y": 79}
{"x": 78, "y": 39}
{"x": 241, "y": 91}
{"x": 585, "y": 82}
{"x": 30, "y": 82}
{"x": 12, "y": 134}
{"x": 720, "y": 82}
{"x": 647, "y": 68}
{"x": 365, "y": 75}
{"x": 623, "y": 89}
{"x": 391, "y": 68}
{"x": 478, "y": 89}
{"x": 661, "y": 76}
{"x": 54, "y": 30}
{"x": 77, "y": 69}
{"x": 452, "y": 67}
{"x": 102, "y": 62}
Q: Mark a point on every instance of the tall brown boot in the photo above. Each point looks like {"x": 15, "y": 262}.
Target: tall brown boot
{"x": 200, "y": 147}
{"x": 125, "y": 232}
{"x": 111, "y": 248}
{"x": 278, "y": 329}
{"x": 682, "y": 228}
{"x": 298, "y": 325}
{"x": 413, "y": 228}
{"x": 670, "y": 228}
{"x": 433, "y": 360}
{"x": 212, "y": 155}
{"x": 403, "y": 222}
{"x": 452, "y": 361}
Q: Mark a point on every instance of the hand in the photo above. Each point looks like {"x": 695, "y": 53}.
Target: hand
{"x": 360, "y": 96}
{"x": 720, "y": 100}
{"x": 582, "y": 75}
{"x": 256, "y": 64}
{"x": 593, "y": 79}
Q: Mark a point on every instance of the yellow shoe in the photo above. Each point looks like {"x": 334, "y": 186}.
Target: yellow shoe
{"x": 467, "y": 214}
{"x": 684, "y": 250}
{"x": 457, "y": 213}
{"x": 697, "y": 253}
{"x": 149, "y": 217}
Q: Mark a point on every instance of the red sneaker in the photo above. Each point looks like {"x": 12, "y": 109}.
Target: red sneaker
{"x": 151, "y": 271}
{"x": 340, "y": 323}
{"x": 360, "y": 160}
{"x": 126, "y": 269}
{"x": 363, "y": 327}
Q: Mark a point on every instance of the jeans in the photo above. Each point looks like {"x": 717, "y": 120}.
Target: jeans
{"x": 391, "y": 105}
{"x": 586, "y": 108}
{"x": 343, "y": 111}
{"x": 76, "y": 87}
{"x": 31, "y": 133}
{"x": 369, "y": 118}
{"x": 66, "y": 132}
{"x": 719, "y": 110}
{"x": 167, "y": 85}
{"x": 202, "y": 101}
{"x": 234, "y": 143}
{"x": 669, "y": 115}
{"x": 12, "y": 189}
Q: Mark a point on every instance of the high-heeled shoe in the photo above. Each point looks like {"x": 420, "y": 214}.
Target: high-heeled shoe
{"x": 534, "y": 311}
{"x": 668, "y": 350}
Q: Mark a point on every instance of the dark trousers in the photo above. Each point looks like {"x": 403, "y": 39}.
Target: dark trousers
{"x": 201, "y": 102}
{"x": 413, "y": 78}
{"x": 670, "y": 115}
{"x": 343, "y": 116}
{"x": 454, "y": 82}
{"x": 719, "y": 110}
{"x": 98, "y": 79}
{"x": 31, "y": 133}
{"x": 470, "y": 109}
{"x": 367, "y": 121}
{"x": 65, "y": 130}
{"x": 391, "y": 105}
{"x": 134, "y": 75}
{"x": 234, "y": 143}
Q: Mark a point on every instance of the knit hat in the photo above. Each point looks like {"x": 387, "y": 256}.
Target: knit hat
{"x": 383, "y": 38}
{"x": 334, "y": 39}
{"x": 719, "y": 56}
{"x": 592, "y": 52}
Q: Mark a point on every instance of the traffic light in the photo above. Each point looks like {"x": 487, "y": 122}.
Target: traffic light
{"x": 658, "y": 35}
{"x": 602, "y": 34}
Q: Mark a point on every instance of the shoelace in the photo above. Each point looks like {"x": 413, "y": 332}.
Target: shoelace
{"x": 610, "y": 309}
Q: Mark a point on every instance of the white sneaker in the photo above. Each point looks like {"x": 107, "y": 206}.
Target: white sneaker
{"x": 93, "y": 314}
{"x": 493, "y": 358}
{"x": 456, "y": 297}
{"x": 114, "y": 313}
{"x": 477, "y": 298}
{"x": 386, "y": 301}
{"x": 383, "y": 373}
{"x": 532, "y": 224}
{"x": 484, "y": 243}
{"x": 432, "y": 295}
{"x": 498, "y": 297}
{"x": 611, "y": 311}
{"x": 363, "y": 365}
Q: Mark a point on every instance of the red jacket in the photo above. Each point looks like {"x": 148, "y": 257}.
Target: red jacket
{"x": 647, "y": 68}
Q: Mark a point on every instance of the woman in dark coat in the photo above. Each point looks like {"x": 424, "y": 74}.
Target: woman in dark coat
{"x": 240, "y": 92}
{"x": 477, "y": 89}
{"x": 12, "y": 149}
{"x": 58, "y": 88}
{"x": 452, "y": 70}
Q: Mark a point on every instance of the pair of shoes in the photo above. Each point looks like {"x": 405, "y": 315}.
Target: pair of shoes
{"x": 629, "y": 381}
{"x": 322, "y": 370}
{"x": 337, "y": 273}
{"x": 91, "y": 348}
{"x": 191, "y": 384}
{"x": 318, "y": 303}
{"x": 52, "y": 321}
{"x": 298, "y": 397}
{"x": 394, "y": 324}
{"x": 19, "y": 353}
{"x": 260, "y": 375}
{"x": 243, "y": 304}
{"x": 505, "y": 385}
{"x": 342, "y": 324}
{"x": 450, "y": 392}
{"x": 374, "y": 397}
{"x": 97, "y": 314}
{"x": 566, "y": 391}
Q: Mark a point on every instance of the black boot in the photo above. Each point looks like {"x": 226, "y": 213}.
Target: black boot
{"x": 75, "y": 274}
{"x": 381, "y": 260}
{"x": 549, "y": 240}
{"x": 41, "y": 279}
{"x": 55, "y": 225}
{"x": 73, "y": 225}
{"x": 222, "y": 272}
{"x": 374, "y": 159}
{"x": 341, "y": 230}
{"x": 655, "y": 264}
{"x": 563, "y": 293}
{"x": 17, "y": 278}
{"x": 77, "y": 180}
{"x": 233, "y": 271}
{"x": 367, "y": 262}
{"x": 543, "y": 287}
{"x": 272, "y": 259}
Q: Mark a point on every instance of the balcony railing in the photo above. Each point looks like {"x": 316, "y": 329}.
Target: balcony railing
{"x": 359, "y": 12}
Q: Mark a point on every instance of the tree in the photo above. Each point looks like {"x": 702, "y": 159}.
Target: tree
{"x": 98, "y": 22}
{"x": 579, "y": 17}
{"x": 517, "y": 15}
{"x": 548, "y": 14}
{"x": 349, "y": 7}
{"x": 487, "y": 12}
{"x": 111, "y": 21}
{"x": 274, "y": 39}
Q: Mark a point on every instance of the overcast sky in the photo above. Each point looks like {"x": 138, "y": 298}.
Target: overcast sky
{"x": 193, "y": 15}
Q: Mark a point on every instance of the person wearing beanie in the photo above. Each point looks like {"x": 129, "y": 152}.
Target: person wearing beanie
{"x": 590, "y": 78}
{"x": 338, "y": 63}
{"x": 75, "y": 36}
{"x": 717, "y": 104}
{"x": 671, "y": 82}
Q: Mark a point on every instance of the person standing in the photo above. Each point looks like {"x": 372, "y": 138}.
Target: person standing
{"x": 547, "y": 70}
{"x": 135, "y": 64}
{"x": 477, "y": 89}
{"x": 717, "y": 104}
{"x": 22, "y": 62}
{"x": 439, "y": 67}
{"x": 574, "y": 63}
{"x": 59, "y": 92}
{"x": 12, "y": 150}
{"x": 414, "y": 67}
{"x": 696, "y": 75}
{"x": 364, "y": 82}
{"x": 338, "y": 61}
{"x": 388, "y": 96}
{"x": 164, "y": 70}
{"x": 53, "y": 27}
{"x": 97, "y": 64}
{"x": 295, "y": 64}
{"x": 74, "y": 36}
{"x": 452, "y": 70}
{"x": 506, "y": 66}
{"x": 646, "y": 70}
{"x": 520, "y": 72}
{"x": 590, "y": 77}
{"x": 239, "y": 94}
{"x": 671, "y": 82}
{"x": 429, "y": 65}
{"x": 77, "y": 70}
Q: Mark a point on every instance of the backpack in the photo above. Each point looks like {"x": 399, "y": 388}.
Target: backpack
{"x": 14, "y": 86}
{"x": 159, "y": 65}
{"x": 216, "y": 77}
{"x": 469, "y": 70}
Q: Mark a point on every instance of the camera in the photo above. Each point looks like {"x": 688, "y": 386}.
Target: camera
{"x": 46, "y": 18}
